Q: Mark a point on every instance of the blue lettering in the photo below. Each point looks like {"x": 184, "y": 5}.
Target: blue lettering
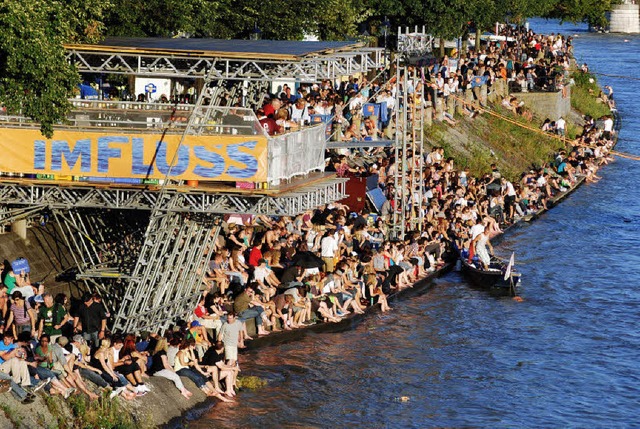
{"x": 82, "y": 151}
{"x": 216, "y": 159}
{"x": 105, "y": 152}
{"x": 248, "y": 159}
{"x": 181, "y": 165}
{"x": 138, "y": 166}
{"x": 39, "y": 154}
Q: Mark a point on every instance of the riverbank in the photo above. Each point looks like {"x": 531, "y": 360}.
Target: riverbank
{"x": 568, "y": 345}
{"x": 154, "y": 410}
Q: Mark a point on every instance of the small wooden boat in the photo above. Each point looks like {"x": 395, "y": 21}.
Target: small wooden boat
{"x": 499, "y": 277}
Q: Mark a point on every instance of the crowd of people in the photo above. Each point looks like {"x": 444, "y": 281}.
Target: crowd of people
{"x": 269, "y": 274}
{"x": 63, "y": 350}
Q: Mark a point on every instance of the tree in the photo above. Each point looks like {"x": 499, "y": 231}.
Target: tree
{"x": 591, "y": 11}
{"x": 35, "y": 78}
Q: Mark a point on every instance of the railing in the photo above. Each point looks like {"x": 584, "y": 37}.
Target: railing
{"x": 296, "y": 153}
{"x": 291, "y": 154}
{"x": 151, "y": 117}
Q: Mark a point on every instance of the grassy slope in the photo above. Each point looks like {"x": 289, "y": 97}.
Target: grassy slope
{"x": 487, "y": 139}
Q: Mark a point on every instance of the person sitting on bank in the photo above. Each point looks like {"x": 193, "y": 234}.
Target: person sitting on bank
{"x": 214, "y": 360}
{"x": 247, "y": 308}
{"x": 160, "y": 367}
{"x": 12, "y": 361}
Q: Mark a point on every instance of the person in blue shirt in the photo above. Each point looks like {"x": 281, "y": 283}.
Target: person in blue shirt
{"x": 12, "y": 361}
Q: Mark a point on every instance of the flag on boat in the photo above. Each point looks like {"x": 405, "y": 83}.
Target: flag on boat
{"x": 507, "y": 273}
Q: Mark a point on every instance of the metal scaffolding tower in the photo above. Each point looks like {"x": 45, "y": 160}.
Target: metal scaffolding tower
{"x": 416, "y": 214}
{"x": 410, "y": 123}
{"x": 166, "y": 279}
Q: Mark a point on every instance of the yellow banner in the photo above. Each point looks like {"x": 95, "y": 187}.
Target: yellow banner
{"x": 138, "y": 156}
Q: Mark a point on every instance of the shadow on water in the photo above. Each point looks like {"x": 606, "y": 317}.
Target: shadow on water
{"x": 564, "y": 357}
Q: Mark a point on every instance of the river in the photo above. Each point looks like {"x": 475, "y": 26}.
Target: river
{"x": 566, "y": 356}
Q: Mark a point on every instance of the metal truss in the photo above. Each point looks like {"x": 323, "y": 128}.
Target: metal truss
{"x": 8, "y": 215}
{"x": 148, "y": 271}
{"x": 414, "y": 43}
{"x": 187, "y": 201}
{"x": 103, "y": 245}
{"x": 312, "y": 68}
{"x": 166, "y": 280}
{"x": 416, "y": 180}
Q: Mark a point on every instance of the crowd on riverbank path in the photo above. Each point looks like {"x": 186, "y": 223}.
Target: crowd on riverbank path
{"x": 269, "y": 274}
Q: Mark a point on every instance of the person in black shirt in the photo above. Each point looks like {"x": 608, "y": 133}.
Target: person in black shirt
{"x": 91, "y": 320}
{"x": 160, "y": 366}
{"x": 213, "y": 359}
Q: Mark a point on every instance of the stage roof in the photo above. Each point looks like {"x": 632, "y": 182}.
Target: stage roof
{"x": 212, "y": 48}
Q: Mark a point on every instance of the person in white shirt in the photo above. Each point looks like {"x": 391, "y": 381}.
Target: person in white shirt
{"x": 299, "y": 112}
{"x": 329, "y": 250}
{"x": 608, "y": 128}
{"x": 560, "y": 126}
{"x": 477, "y": 229}
{"x": 509, "y": 193}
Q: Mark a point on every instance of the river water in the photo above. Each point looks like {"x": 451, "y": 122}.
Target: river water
{"x": 567, "y": 356}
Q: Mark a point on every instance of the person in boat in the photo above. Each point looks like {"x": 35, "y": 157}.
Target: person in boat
{"x": 480, "y": 244}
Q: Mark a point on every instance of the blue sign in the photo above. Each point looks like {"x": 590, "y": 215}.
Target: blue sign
{"x": 150, "y": 88}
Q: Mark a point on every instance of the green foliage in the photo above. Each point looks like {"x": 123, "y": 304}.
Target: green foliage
{"x": 35, "y": 78}
{"x": 11, "y": 415}
{"x": 591, "y": 11}
{"x": 235, "y": 19}
{"x": 584, "y": 96}
{"x": 338, "y": 19}
{"x": 489, "y": 139}
{"x": 85, "y": 414}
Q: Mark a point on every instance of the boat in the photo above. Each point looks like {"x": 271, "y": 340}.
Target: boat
{"x": 499, "y": 277}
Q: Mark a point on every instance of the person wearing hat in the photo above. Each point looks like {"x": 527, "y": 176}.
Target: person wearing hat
{"x": 199, "y": 335}
{"x": 91, "y": 320}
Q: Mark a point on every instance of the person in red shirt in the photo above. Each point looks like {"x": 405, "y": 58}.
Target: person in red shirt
{"x": 268, "y": 123}
{"x": 271, "y": 108}
{"x": 255, "y": 254}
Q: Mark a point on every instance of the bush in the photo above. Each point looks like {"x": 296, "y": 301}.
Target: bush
{"x": 584, "y": 96}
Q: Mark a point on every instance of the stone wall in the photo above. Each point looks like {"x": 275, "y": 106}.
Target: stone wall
{"x": 624, "y": 18}
{"x": 547, "y": 104}
{"x": 45, "y": 251}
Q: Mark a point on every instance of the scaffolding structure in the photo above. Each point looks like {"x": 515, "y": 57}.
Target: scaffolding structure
{"x": 409, "y": 186}
{"x": 414, "y": 43}
{"x": 145, "y": 249}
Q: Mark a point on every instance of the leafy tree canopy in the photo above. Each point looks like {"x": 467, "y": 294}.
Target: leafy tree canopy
{"x": 35, "y": 78}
